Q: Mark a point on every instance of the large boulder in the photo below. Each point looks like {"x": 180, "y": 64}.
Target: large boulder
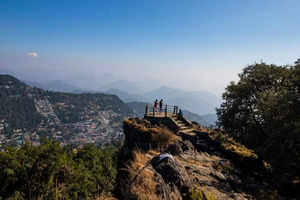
{"x": 172, "y": 173}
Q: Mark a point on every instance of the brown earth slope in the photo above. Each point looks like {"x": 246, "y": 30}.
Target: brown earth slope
{"x": 199, "y": 165}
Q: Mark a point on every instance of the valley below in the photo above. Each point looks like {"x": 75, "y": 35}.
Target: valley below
{"x": 29, "y": 114}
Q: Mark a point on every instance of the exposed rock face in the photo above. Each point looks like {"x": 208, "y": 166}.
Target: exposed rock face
{"x": 172, "y": 173}
{"x": 198, "y": 167}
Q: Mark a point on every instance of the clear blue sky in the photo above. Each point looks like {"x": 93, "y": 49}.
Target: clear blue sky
{"x": 148, "y": 38}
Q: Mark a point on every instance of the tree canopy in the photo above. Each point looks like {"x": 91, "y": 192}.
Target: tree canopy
{"x": 262, "y": 110}
{"x": 54, "y": 172}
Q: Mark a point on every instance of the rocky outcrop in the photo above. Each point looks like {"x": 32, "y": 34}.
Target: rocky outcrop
{"x": 192, "y": 166}
{"x": 172, "y": 173}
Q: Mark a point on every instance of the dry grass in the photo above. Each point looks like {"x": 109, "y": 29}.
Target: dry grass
{"x": 230, "y": 144}
{"x": 161, "y": 136}
{"x": 144, "y": 185}
{"x": 227, "y": 142}
{"x": 199, "y": 127}
{"x": 143, "y": 180}
{"x": 139, "y": 160}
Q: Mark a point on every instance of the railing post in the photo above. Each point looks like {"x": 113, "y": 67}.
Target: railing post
{"x": 166, "y": 111}
{"x": 147, "y": 109}
{"x": 174, "y": 110}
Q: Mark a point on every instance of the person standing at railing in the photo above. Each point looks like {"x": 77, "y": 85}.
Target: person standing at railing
{"x": 155, "y": 105}
{"x": 180, "y": 113}
{"x": 161, "y": 105}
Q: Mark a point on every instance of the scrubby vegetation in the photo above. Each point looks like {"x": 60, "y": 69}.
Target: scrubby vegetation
{"x": 137, "y": 179}
{"x": 201, "y": 195}
{"x": 15, "y": 106}
{"x": 229, "y": 144}
{"x": 141, "y": 177}
{"x": 147, "y": 135}
{"x": 262, "y": 111}
{"x": 80, "y": 102}
{"x": 54, "y": 172}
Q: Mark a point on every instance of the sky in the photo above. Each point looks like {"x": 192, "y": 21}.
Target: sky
{"x": 192, "y": 44}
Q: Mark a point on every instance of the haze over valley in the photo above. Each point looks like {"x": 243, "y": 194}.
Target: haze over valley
{"x": 149, "y": 100}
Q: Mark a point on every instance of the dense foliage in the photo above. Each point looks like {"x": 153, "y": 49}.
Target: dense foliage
{"x": 19, "y": 112}
{"x": 36, "y": 112}
{"x": 15, "y": 106}
{"x": 82, "y": 102}
{"x": 262, "y": 110}
{"x": 53, "y": 172}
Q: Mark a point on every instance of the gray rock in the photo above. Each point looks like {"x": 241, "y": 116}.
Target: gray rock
{"x": 218, "y": 175}
{"x": 172, "y": 173}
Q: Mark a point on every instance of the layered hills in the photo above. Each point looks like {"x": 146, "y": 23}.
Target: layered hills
{"x": 29, "y": 114}
{"x": 55, "y": 85}
{"x": 200, "y": 102}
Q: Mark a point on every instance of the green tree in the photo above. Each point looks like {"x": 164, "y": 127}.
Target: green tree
{"x": 262, "y": 111}
{"x": 54, "y": 172}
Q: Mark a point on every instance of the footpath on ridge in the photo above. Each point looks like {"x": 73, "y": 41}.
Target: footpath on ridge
{"x": 167, "y": 157}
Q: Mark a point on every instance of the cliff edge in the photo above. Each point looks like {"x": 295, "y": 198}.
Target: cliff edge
{"x": 157, "y": 162}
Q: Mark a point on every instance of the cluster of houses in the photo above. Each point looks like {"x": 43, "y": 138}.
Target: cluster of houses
{"x": 97, "y": 127}
{"x": 94, "y": 124}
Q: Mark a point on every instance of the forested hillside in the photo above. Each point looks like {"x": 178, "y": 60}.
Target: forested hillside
{"x": 262, "y": 110}
{"x": 17, "y": 108}
{"x": 29, "y": 114}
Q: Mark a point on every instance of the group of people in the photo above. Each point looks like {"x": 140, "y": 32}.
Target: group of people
{"x": 160, "y": 105}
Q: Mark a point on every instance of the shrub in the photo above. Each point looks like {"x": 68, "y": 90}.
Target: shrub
{"x": 53, "y": 172}
{"x": 201, "y": 195}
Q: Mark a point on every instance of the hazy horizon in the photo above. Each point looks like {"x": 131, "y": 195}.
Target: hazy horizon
{"x": 194, "y": 45}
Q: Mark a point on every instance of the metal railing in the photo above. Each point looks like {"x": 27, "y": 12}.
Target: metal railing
{"x": 164, "y": 111}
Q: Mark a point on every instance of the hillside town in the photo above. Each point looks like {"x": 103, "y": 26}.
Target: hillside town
{"x": 100, "y": 130}
{"x": 93, "y": 122}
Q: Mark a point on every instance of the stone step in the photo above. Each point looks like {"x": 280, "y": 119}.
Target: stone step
{"x": 187, "y": 130}
{"x": 183, "y": 127}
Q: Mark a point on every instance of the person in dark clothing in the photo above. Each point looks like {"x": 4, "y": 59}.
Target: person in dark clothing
{"x": 160, "y": 105}
{"x": 180, "y": 113}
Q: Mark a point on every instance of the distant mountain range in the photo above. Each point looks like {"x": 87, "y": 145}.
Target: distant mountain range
{"x": 55, "y": 85}
{"x": 124, "y": 86}
{"x": 7, "y": 72}
{"x": 210, "y": 118}
{"x": 126, "y": 97}
{"x": 199, "y": 102}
